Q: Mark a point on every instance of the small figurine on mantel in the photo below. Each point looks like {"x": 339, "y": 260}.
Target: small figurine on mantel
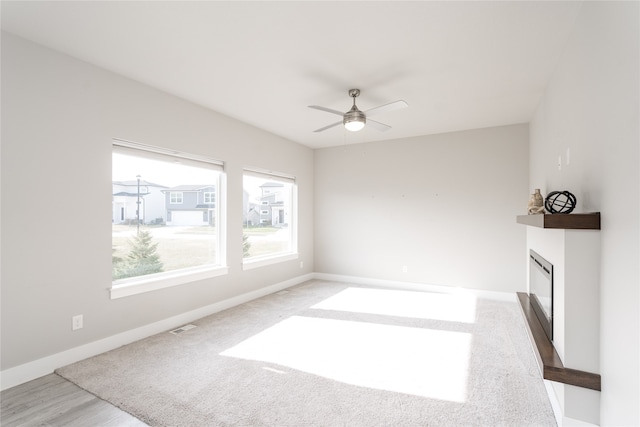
{"x": 536, "y": 203}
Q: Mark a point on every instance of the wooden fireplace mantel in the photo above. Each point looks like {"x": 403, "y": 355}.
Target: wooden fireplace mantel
{"x": 550, "y": 364}
{"x": 578, "y": 221}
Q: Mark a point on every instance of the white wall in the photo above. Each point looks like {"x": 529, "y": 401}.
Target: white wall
{"x": 591, "y": 107}
{"x": 59, "y": 116}
{"x": 443, "y": 205}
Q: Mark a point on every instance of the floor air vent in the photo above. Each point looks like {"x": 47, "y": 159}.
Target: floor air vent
{"x": 182, "y": 329}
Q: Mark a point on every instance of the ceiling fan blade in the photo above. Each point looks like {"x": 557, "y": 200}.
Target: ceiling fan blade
{"x": 328, "y": 127}
{"x": 328, "y": 110}
{"x": 377, "y": 125}
{"x": 396, "y": 105}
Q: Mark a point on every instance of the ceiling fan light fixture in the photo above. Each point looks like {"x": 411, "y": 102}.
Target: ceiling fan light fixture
{"x": 354, "y": 120}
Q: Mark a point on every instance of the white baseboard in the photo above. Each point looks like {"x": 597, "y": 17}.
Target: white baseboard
{"x": 31, "y": 370}
{"x": 561, "y": 419}
{"x": 493, "y": 295}
{"x": 572, "y": 422}
{"x": 553, "y": 398}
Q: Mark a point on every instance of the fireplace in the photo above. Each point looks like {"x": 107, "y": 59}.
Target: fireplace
{"x": 566, "y": 301}
{"x": 541, "y": 290}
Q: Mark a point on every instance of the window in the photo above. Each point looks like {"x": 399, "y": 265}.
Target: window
{"x": 175, "y": 198}
{"x": 269, "y": 234}
{"x": 162, "y": 234}
{"x": 209, "y": 198}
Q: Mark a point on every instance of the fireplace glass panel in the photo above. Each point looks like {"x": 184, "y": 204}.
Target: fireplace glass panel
{"x": 541, "y": 290}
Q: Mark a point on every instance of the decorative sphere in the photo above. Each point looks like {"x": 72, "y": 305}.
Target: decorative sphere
{"x": 560, "y": 202}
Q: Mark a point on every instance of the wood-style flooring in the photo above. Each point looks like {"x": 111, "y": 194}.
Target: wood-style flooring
{"x": 54, "y": 401}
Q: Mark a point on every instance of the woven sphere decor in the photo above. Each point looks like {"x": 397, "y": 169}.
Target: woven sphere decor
{"x": 560, "y": 202}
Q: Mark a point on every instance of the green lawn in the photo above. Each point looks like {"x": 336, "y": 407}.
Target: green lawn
{"x": 260, "y": 246}
{"x": 193, "y": 246}
{"x": 259, "y": 231}
{"x": 176, "y": 250}
{"x": 266, "y": 248}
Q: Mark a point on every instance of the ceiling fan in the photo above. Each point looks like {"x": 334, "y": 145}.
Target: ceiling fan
{"x": 354, "y": 119}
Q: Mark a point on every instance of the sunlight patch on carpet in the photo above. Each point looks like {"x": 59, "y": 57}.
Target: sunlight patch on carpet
{"x": 422, "y": 362}
{"x": 419, "y": 305}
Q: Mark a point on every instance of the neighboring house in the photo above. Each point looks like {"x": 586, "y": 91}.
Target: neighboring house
{"x": 250, "y": 212}
{"x": 125, "y": 197}
{"x": 190, "y": 205}
{"x": 252, "y": 217}
{"x": 272, "y": 206}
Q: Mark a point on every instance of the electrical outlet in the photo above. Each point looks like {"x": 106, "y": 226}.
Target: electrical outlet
{"x": 77, "y": 322}
{"x": 301, "y": 264}
{"x": 404, "y": 269}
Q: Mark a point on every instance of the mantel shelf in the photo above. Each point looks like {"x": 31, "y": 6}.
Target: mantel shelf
{"x": 579, "y": 221}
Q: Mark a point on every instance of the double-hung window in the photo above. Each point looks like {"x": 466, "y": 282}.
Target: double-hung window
{"x": 209, "y": 197}
{"x": 269, "y": 218}
{"x": 175, "y": 197}
{"x": 167, "y": 219}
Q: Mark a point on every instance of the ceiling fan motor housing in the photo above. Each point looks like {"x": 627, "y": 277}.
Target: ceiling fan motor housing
{"x": 354, "y": 119}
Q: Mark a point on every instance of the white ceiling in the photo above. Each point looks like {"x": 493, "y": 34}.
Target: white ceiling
{"x": 459, "y": 65}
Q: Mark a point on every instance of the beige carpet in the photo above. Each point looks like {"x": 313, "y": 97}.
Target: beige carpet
{"x": 332, "y": 354}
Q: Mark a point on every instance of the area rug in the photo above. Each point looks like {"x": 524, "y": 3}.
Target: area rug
{"x": 331, "y": 354}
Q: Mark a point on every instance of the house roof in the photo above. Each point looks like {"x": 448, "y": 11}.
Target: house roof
{"x": 459, "y": 65}
{"x": 134, "y": 183}
{"x": 190, "y": 187}
{"x": 127, "y": 194}
{"x": 272, "y": 184}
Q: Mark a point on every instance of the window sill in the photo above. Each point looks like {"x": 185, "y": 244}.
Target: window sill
{"x": 128, "y": 287}
{"x": 261, "y": 262}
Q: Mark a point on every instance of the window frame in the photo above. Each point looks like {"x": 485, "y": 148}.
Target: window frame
{"x": 264, "y": 260}
{"x": 176, "y": 194}
{"x": 151, "y": 282}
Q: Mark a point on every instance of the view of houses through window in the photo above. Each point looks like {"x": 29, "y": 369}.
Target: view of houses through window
{"x": 165, "y": 214}
{"x": 268, "y": 215}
